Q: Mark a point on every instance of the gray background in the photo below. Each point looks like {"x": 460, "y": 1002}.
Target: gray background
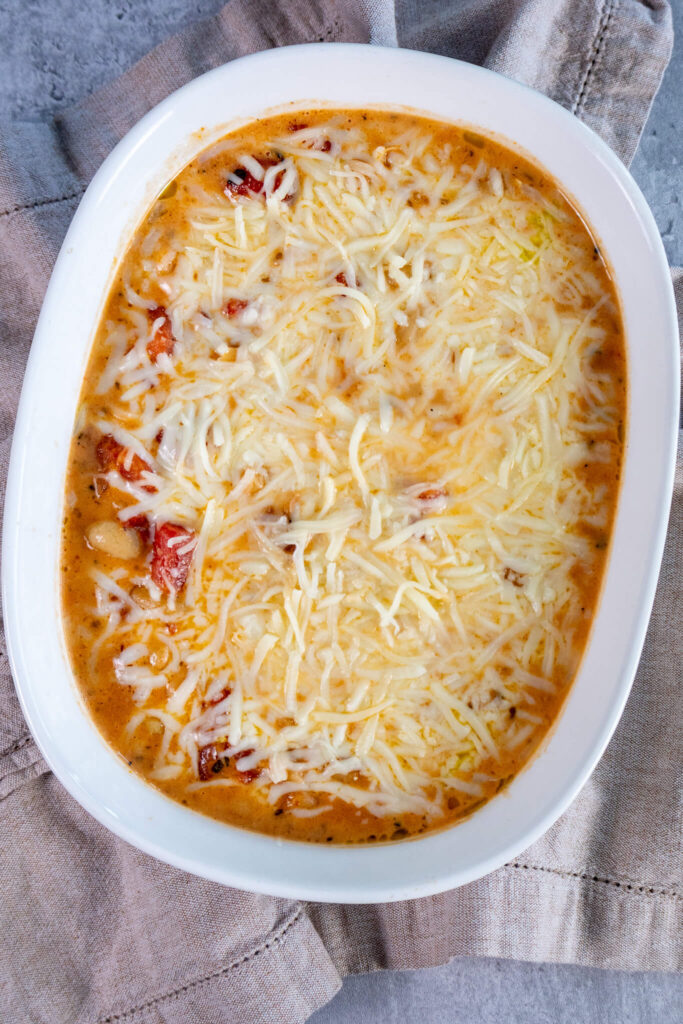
{"x": 57, "y": 51}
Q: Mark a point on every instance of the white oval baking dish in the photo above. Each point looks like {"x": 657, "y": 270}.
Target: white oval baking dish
{"x": 185, "y": 123}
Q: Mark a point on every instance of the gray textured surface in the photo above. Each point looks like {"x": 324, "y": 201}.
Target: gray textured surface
{"x": 56, "y": 51}
{"x": 505, "y": 992}
{"x": 658, "y": 164}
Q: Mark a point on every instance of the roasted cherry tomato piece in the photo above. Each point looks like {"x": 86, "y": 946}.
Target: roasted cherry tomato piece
{"x": 432, "y": 494}
{"x": 113, "y": 456}
{"x": 162, "y": 340}
{"x": 172, "y": 552}
{"x": 233, "y": 307}
{"x": 225, "y": 692}
{"x": 208, "y": 761}
{"x": 248, "y": 185}
{"x": 249, "y": 774}
{"x": 141, "y": 524}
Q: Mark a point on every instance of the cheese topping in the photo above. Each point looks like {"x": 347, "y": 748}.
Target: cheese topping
{"x": 374, "y": 425}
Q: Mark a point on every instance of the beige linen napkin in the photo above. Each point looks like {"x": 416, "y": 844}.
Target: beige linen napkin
{"x": 95, "y": 931}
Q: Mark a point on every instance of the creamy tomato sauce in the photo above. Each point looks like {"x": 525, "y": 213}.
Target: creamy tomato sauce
{"x": 343, "y": 476}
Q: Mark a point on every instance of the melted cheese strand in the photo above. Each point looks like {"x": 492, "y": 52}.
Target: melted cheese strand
{"x": 380, "y": 456}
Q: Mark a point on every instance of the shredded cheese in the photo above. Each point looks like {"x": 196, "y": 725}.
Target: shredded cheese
{"x": 379, "y": 455}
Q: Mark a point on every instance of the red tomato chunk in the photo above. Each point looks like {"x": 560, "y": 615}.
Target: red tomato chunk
{"x": 323, "y": 146}
{"x": 211, "y": 763}
{"x": 432, "y": 494}
{"x": 247, "y": 184}
{"x": 207, "y": 761}
{"x": 233, "y": 307}
{"x": 162, "y": 340}
{"x": 141, "y": 524}
{"x": 249, "y": 774}
{"x": 172, "y": 556}
{"x": 225, "y": 692}
{"x": 113, "y": 456}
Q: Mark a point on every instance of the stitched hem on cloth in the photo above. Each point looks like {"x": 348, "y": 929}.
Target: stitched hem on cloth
{"x": 627, "y": 885}
{"x": 42, "y": 202}
{"x": 587, "y": 919}
{"x": 305, "y": 994}
{"x": 274, "y": 940}
{"x": 17, "y": 745}
{"x": 606, "y": 11}
{"x": 630, "y": 885}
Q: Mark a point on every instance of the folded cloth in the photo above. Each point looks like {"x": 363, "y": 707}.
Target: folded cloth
{"x": 95, "y": 931}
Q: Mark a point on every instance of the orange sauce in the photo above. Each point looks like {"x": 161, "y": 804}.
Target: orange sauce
{"x": 109, "y": 703}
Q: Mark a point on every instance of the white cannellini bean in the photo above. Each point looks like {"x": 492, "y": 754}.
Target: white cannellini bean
{"x": 112, "y": 539}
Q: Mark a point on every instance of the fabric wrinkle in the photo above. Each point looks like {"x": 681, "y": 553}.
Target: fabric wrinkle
{"x": 95, "y": 930}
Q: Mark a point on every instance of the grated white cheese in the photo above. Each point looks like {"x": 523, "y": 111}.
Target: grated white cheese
{"x": 382, "y": 472}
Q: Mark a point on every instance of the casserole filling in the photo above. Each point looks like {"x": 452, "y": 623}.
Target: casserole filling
{"x": 343, "y": 476}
